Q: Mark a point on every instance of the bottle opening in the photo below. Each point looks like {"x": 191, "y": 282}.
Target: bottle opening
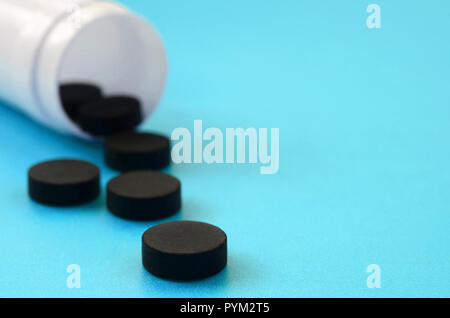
{"x": 96, "y": 114}
{"x": 122, "y": 55}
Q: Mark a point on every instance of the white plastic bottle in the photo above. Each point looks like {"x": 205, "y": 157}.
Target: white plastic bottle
{"x": 48, "y": 42}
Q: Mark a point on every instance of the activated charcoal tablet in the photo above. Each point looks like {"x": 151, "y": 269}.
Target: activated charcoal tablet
{"x": 73, "y": 95}
{"x": 110, "y": 115}
{"x": 137, "y": 151}
{"x": 64, "y": 182}
{"x": 184, "y": 250}
{"x": 144, "y": 195}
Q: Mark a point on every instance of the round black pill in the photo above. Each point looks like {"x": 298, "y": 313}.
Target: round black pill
{"x": 110, "y": 115}
{"x": 184, "y": 250}
{"x": 64, "y": 182}
{"x": 73, "y": 95}
{"x": 144, "y": 195}
{"x": 137, "y": 151}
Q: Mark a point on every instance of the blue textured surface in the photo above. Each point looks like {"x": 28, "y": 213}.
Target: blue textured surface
{"x": 364, "y": 174}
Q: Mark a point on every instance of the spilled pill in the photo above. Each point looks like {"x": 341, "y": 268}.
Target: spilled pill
{"x": 73, "y": 95}
{"x": 184, "y": 250}
{"x": 63, "y": 182}
{"x": 136, "y": 151}
{"x": 144, "y": 195}
{"x": 109, "y": 115}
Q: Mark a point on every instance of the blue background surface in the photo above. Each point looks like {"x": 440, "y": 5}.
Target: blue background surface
{"x": 364, "y": 157}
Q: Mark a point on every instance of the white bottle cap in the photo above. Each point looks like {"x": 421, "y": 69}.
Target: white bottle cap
{"x": 49, "y": 42}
